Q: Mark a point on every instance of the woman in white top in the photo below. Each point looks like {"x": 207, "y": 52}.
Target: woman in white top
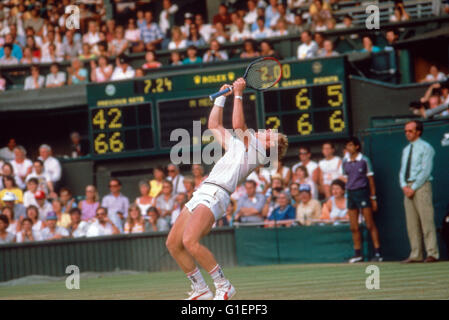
{"x": 335, "y": 209}
{"x": 103, "y": 72}
{"x": 301, "y": 176}
{"x": 177, "y": 41}
{"x": 135, "y": 222}
{"x": 132, "y": 33}
{"x": 32, "y": 212}
{"x": 144, "y": 202}
{"x": 13, "y": 227}
{"x": 330, "y": 168}
{"x": 434, "y": 75}
{"x": 26, "y": 233}
{"x": 21, "y": 165}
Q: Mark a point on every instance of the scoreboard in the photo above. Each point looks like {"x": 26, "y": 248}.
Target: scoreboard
{"x": 136, "y": 117}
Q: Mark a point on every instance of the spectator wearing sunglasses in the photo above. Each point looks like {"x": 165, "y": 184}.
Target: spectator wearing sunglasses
{"x": 116, "y": 204}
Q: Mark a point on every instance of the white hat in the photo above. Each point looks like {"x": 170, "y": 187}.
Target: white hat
{"x": 9, "y": 196}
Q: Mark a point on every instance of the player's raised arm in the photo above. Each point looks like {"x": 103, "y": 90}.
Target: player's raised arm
{"x": 215, "y": 123}
{"x": 238, "y": 118}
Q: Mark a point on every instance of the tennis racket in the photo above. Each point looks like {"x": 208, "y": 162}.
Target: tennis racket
{"x": 260, "y": 74}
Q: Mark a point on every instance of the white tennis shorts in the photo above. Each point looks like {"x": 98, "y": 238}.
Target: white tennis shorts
{"x": 213, "y": 197}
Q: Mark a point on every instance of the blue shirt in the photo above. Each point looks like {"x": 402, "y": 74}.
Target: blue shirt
{"x": 288, "y": 213}
{"x": 357, "y": 171}
{"x": 257, "y": 202}
{"x": 83, "y": 73}
{"x": 16, "y": 52}
{"x": 421, "y": 163}
{"x": 188, "y": 61}
{"x": 151, "y": 33}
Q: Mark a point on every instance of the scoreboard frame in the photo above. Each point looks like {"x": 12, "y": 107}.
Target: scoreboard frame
{"x": 193, "y": 84}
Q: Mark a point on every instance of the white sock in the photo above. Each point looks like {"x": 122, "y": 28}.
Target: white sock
{"x": 197, "y": 279}
{"x": 218, "y": 276}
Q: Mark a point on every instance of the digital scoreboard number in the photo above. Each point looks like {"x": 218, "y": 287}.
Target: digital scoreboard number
{"x": 121, "y": 129}
{"x": 181, "y": 113}
{"x": 306, "y": 111}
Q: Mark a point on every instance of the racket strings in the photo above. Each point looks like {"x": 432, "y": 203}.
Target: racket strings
{"x": 263, "y": 74}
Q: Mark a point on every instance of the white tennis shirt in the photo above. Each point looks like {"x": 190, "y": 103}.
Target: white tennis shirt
{"x": 237, "y": 163}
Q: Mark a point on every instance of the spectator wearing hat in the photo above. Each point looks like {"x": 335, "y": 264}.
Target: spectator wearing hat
{"x": 77, "y": 227}
{"x": 188, "y": 20}
{"x": 5, "y": 236}
{"x": 76, "y": 73}
{"x": 9, "y": 200}
{"x": 51, "y": 165}
{"x": 308, "y": 210}
{"x": 55, "y": 78}
{"x": 284, "y": 214}
{"x": 250, "y": 206}
{"x": 361, "y": 193}
{"x": 35, "y": 80}
{"x": 102, "y": 226}
{"x": 122, "y": 70}
{"x": 26, "y": 233}
{"x": 52, "y": 231}
{"x": 43, "y": 205}
{"x": 116, "y": 204}
{"x": 335, "y": 209}
{"x": 10, "y": 186}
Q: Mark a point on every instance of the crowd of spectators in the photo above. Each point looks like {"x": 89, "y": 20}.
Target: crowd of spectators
{"x": 35, "y": 32}
{"x": 35, "y": 206}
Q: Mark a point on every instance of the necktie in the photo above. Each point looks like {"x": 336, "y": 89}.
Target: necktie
{"x": 409, "y": 164}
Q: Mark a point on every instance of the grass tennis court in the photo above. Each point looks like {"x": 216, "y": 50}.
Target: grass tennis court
{"x": 310, "y": 281}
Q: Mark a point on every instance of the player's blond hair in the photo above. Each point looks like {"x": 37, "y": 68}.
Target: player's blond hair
{"x": 282, "y": 145}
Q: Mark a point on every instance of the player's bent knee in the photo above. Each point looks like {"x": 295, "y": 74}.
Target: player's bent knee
{"x": 191, "y": 244}
{"x": 173, "y": 245}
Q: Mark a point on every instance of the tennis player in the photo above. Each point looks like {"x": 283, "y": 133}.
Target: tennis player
{"x": 244, "y": 152}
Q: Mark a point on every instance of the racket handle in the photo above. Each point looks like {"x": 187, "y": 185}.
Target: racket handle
{"x": 212, "y": 97}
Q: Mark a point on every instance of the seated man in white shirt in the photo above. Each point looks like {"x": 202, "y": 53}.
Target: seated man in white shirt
{"x": 308, "y": 48}
{"x": 52, "y": 231}
{"x": 102, "y": 225}
{"x": 241, "y": 33}
{"x": 123, "y": 70}
{"x": 55, "y": 78}
{"x": 51, "y": 165}
{"x": 35, "y": 80}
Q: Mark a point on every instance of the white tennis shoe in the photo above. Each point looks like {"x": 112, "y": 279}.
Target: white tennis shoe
{"x": 200, "y": 294}
{"x": 224, "y": 292}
